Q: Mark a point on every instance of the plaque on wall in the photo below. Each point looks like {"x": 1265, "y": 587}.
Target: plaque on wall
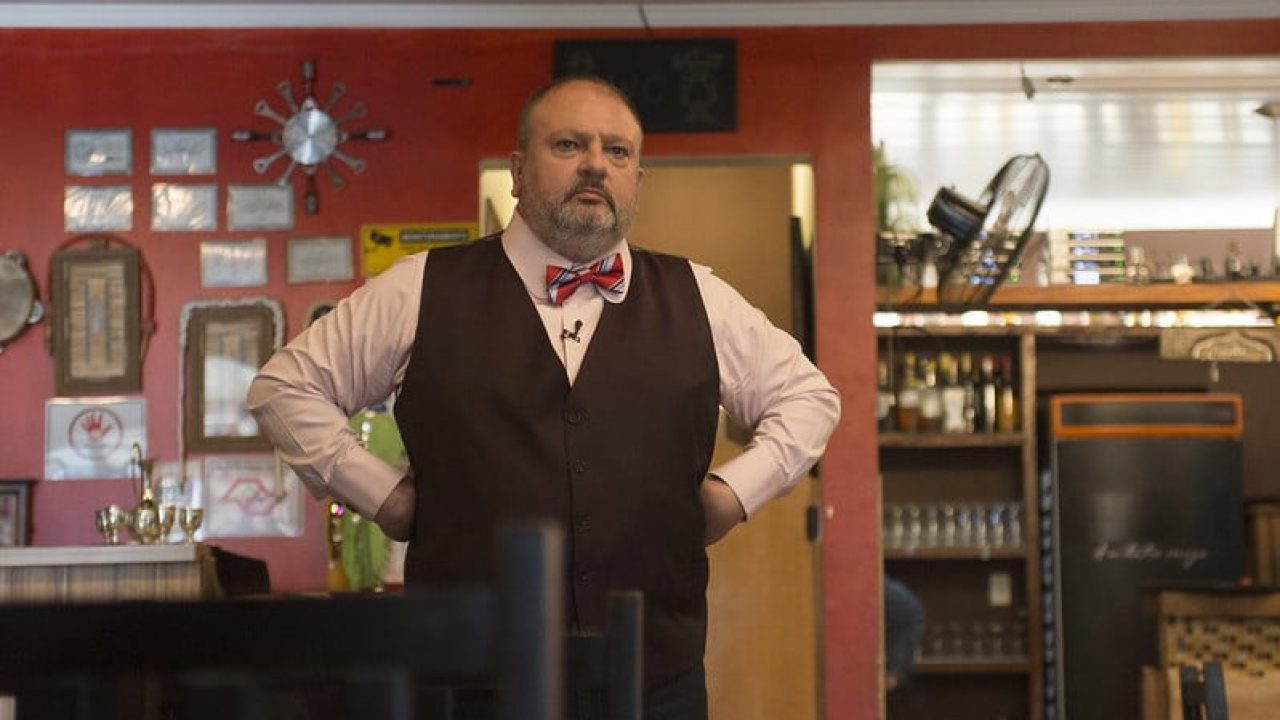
{"x": 107, "y": 151}
{"x": 677, "y": 85}
{"x": 96, "y": 321}
{"x": 223, "y": 343}
{"x": 384, "y": 243}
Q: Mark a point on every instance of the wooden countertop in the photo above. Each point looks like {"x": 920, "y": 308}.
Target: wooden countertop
{"x": 100, "y": 555}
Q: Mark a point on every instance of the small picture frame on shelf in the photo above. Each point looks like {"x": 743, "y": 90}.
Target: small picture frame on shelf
{"x": 15, "y": 512}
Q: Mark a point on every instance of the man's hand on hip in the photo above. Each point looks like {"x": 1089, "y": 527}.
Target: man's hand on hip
{"x": 722, "y": 508}
{"x": 395, "y": 517}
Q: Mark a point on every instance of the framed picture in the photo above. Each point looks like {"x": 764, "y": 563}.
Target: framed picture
{"x": 96, "y": 321}
{"x": 233, "y": 263}
{"x": 224, "y": 343}
{"x": 260, "y": 207}
{"x": 86, "y": 208}
{"x": 15, "y": 513}
{"x": 184, "y": 151}
{"x": 184, "y": 207}
{"x": 107, "y": 151}
{"x": 320, "y": 259}
{"x": 89, "y": 438}
{"x": 251, "y": 496}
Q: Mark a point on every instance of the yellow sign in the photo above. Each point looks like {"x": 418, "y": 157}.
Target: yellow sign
{"x": 384, "y": 243}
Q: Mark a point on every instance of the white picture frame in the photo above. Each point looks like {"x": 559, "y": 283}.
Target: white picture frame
{"x": 184, "y": 151}
{"x": 89, "y": 208}
{"x": 260, "y": 207}
{"x": 251, "y": 496}
{"x": 90, "y": 438}
{"x": 320, "y": 259}
{"x": 184, "y": 208}
{"x": 98, "y": 152}
{"x": 233, "y": 263}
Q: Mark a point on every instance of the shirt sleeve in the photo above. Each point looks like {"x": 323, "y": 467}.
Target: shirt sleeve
{"x": 351, "y": 358}
{"x": 766, "y": 384}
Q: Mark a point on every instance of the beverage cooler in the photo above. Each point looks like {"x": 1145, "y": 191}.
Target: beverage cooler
{"x": 1137, "y": 491}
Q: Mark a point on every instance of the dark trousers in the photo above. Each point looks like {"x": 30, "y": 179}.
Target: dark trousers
{"x": 682, "y": 698}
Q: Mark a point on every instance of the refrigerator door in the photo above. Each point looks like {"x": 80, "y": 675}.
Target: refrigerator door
{"x": 1136, "y": 505}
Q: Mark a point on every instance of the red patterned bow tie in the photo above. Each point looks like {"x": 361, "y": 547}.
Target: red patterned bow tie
{"x": 606, "y": 274}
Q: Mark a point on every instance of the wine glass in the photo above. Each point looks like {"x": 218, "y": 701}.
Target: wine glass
{"x": 189, "y": 519}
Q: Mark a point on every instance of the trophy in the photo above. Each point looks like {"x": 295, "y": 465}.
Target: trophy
{"x": 110, "y": 520}
{"x": 150, "y": 524}
{"x": 189, "y": 519}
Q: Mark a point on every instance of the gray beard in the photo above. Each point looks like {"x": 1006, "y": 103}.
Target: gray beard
{"x": 575, "y": 236}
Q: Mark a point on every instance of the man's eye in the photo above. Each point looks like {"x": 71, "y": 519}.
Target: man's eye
{"x": 566, "y": 145}
{"x": 619, "y": 151}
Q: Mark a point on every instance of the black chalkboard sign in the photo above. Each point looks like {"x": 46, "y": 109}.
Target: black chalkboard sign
{"x": 679, "y": 85}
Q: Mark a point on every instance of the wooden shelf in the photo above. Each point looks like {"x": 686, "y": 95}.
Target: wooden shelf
{"x": 1264, "y": 293}
{"x": 951, "y": 440}
{"x": 957, "y": 553}
{"x": 1010, "y": 666}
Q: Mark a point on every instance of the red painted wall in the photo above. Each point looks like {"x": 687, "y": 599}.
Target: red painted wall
{"x": 802, "y": 91}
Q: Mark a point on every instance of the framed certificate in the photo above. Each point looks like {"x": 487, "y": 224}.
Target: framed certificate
{"x": 184, "y": 207}
{"x": 233, "y": 263}
{"x": 225, "y": 342}
{"x": 184, "y": 151}
{"x": 251, "y": 496}
{"x": 107, "y": 151}
{"x": 320, "y": 259}
{"x": 90, "y": 438}
{"x": 96, "y": 321}
{"x": 89, "y": 208}
{"x": 259, "y": 207}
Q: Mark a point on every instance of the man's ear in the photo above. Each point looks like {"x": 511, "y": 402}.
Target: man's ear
{"x": 517, "y": 173}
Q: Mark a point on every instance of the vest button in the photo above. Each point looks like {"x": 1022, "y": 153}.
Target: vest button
{"x": 574, "y": 417}
{"x": 584, "y": 577}
{"x": 582, "y": 521}
{"x": 579, "y": 466}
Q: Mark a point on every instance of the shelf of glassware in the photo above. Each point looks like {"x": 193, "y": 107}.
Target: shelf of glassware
{"x": 1117, "y": 295}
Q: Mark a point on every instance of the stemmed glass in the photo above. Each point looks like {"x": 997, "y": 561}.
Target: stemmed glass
{"x": 189, "y": 519}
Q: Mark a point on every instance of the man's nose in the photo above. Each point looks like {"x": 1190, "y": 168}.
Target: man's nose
{"x": 592, "y": 160}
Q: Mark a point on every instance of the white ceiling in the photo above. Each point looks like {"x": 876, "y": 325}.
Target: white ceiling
{"x": 608, "y": 13}
{"x": 1241, "y": 76}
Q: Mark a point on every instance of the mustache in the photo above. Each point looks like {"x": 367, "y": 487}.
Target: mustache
{"x": 595, "y": 185}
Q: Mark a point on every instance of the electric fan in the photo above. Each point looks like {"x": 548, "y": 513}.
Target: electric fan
{"x": 987, "y": 236}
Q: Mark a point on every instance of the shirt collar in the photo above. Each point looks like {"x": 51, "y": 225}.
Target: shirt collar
{"x": 530, "y": 257}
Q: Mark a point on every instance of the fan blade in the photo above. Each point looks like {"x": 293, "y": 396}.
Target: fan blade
{"x": 286, "y": 91}
{"x": 263, "y": 109}
{"x": 337, "y": 92}
{"x": 308, "y": 77}
{"x": 357, "y": 111}
{"x": 284, "y": 176}
{"x": 335, "y": 179}
{"x": 356, "y": 164}
{"x": 261, "y": 164}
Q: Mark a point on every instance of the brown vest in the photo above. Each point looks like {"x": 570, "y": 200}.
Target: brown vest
{"x": 495, "y": 433}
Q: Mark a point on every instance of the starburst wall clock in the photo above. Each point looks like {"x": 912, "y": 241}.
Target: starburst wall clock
{"x": 310, "y": 135}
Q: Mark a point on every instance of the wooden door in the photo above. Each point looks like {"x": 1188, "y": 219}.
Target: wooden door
{"x": 762, "y": 647}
